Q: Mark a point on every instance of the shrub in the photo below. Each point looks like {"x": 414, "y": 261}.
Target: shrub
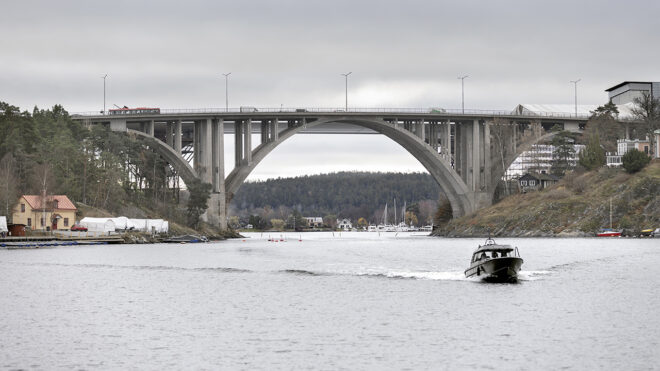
{"x": 634, "y": 161}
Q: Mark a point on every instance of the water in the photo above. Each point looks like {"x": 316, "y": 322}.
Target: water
{"x": 331, "y": 301}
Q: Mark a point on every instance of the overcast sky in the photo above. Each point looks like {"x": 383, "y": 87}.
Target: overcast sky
{"x": 171, "y": 54}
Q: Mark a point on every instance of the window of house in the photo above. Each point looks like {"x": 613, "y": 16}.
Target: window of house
{"x": 646, "y": 149}
{"x": 22, "y": 208}
{"x": 29, "y": 222}
{"x": 56, "y": 204}
{"x": 532, "y": 182}
{"x": 42, "y": 221}
{"x": 66, "y": 222}
{"x": 523, "y": 182}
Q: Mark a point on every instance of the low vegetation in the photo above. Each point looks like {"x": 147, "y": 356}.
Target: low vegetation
{"x": 577, "y": 206}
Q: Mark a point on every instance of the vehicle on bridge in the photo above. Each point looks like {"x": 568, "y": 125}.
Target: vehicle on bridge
{"x": 133, "y": 111}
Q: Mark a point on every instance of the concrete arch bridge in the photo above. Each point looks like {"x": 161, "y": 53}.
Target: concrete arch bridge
{"x": 466, "y": 153}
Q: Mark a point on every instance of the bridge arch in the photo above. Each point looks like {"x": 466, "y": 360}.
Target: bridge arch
{"x": 440, "y": 169}
{"x": 182, "y": 167}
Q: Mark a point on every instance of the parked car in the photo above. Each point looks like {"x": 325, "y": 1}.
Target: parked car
{"x": 78, "y": 227}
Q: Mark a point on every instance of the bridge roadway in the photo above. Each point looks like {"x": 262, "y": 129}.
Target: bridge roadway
{"x": 466, "y": 153}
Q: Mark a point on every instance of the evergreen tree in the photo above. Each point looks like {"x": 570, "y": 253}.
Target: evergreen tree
{"x": 634, "y": 160}
{"x": 198, "y": 201}
{"x": 563, "y": 152}
{"x": 593, "y": 156}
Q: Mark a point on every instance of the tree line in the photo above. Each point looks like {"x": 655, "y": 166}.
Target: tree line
{"x": 351, "y": 195}
{"x": 46, "y": 152}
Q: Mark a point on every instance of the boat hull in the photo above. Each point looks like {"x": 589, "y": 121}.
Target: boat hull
{"x": 496, "y": 270}
{"x": 608, "y": 234}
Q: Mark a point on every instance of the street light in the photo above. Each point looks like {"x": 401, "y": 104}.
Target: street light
{"x": 103, "y": 77}
{"x": 346, "y": 82}
{"x": 575, "y": 83}
{"x": 226, "y": 75}
{"x": 462, "y": 78}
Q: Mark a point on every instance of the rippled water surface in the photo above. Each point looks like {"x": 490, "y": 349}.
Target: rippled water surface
{"x": 330, "y": 301}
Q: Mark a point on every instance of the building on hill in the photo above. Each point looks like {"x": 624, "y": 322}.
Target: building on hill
{"x": 314, "y": 222}
{"x": 536, "y": 181}
{"x": 627, "y": 91}
{"x": 344, "y": 224}
{"x": 538, "y": 159}
{"x": 45, "y": 213}
{"x": 625, "y": 145}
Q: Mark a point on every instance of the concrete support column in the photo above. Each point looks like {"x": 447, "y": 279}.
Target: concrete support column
{"x": 419, "y": 130}
{"x": 118, "y": 125}
{"x": 150, "y": 127}
{"x": 206, "y": 153}
{"x": 247, "y": 142}
{"x": 476, "y": 159}
{"x": 468, "y": 152}
{"x": 274, "y": 130}
{"x": 264, "y": 131}
{"x": 177, "y": 136}
{"x": 448, "y": 138}
{"x": 217, "y": 203}
{"x": 196, "y": 145}
{"x": 487, "y": 157}
{"x": 168, "y": 134}
{"x": 238, "y": 143}
{"x": 458, "y": 147}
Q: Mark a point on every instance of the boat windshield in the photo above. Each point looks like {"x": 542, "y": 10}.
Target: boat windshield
{"x": 485, "y": 254}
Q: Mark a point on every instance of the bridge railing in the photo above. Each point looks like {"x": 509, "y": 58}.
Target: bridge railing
{"x": 439, "y": 111}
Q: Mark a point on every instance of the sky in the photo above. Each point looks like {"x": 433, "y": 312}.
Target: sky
{"x": 291, "y": 53}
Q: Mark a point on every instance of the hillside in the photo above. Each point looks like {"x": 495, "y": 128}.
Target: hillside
{"x": 577, "y": 206}
{"x": 345, "y": 194}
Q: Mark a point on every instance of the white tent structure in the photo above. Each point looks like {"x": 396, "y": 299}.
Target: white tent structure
{"x": 98, "y": 224}
{"x": 139, "y": 224}
{"x": 123, "y": 223}
{"x": 3, "y": 224}
{"x": 149, "y": 225}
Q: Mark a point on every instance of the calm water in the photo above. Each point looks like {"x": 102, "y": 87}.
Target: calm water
{"x": 343, "y": 301}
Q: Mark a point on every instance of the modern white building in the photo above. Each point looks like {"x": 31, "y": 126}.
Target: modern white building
{"x": 538, "y": 159}
{"x": 627, "y": 91}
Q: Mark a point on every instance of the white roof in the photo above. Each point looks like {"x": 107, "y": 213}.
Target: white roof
{"x": 3, "y": 224}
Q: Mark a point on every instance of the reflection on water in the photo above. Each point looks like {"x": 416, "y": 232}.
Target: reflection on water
{"x": 328, "y": 301}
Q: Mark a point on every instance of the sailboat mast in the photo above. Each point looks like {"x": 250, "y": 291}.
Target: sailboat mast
{"x": 610, "y": 212}
{"x": 395, "y": 211}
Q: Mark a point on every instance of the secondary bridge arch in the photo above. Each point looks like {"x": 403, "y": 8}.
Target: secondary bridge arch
{"x": 440, "y": 169}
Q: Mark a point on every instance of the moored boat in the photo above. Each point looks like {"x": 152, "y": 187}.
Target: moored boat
{"x": 608, "y": 232}
{"x": 496, "y": 263}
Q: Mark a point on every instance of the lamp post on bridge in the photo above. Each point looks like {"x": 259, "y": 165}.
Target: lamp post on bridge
{"x": 346, "y": 82}
{"x": 104, "y": 77}
{"x": 575, "y": 83}
{"x": 226, "y": 75}
{"x": 462, "y": 78}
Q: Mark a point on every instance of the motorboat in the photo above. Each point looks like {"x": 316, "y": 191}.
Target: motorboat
{"x": 608, "y": 232}
{"x": 495, "y": 263}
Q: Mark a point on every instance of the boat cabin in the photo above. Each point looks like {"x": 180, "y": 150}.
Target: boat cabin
{"x": 486, "y": 252}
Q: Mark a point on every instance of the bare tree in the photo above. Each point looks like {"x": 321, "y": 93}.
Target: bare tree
{"x": 8, "y": 181}
{"x": 647, "y": 109}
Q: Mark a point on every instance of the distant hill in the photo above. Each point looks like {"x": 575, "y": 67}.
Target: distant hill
{"x": 345, "y": 194}
{"x": 576, "y": 206}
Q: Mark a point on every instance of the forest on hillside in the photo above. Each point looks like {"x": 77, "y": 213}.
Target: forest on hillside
{"x": 46, "y": 152}
{"x": 350, "y": 195}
